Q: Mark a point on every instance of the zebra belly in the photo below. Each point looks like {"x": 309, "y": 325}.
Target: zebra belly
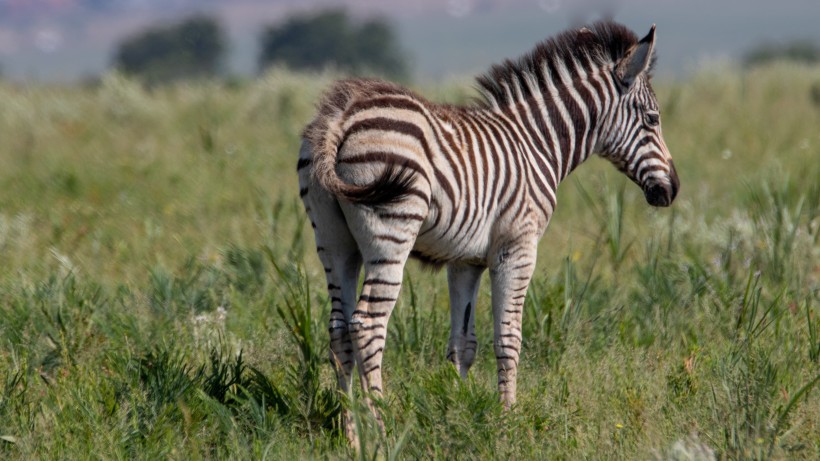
{"x": 439, "y": 244}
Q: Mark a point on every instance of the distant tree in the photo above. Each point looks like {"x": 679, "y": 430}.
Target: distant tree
{"x": 193, "y": 48}
{"x": 798, "y": 51}
{"x": 330, "y": 38}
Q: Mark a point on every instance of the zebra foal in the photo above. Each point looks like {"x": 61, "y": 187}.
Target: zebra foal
{"x": 385, "y": 175}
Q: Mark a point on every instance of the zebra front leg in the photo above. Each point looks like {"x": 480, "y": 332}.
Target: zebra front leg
{"x": 510, "y": 276}
{"x": 463, "y": 282}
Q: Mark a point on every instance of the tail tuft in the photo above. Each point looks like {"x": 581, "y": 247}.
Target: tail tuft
{"x": 394, "y": 184}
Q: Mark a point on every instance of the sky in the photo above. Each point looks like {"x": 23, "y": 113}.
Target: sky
{"x": 65, "y": 41}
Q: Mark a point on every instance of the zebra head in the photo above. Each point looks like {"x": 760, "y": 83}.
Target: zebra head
{"x": 634, "y": 142}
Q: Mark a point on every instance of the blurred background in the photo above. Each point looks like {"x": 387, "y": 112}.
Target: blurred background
{"x": 69, "y": 41}
{"x": 151, "y": 228}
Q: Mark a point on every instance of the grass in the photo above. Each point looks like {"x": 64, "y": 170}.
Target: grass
{"x": 159, "y": 295}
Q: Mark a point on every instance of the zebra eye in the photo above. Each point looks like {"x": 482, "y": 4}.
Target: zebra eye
{"x": 652, "y": 119}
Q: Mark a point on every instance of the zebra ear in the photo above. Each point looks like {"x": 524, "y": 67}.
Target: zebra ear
{"x": 637, "y": 60}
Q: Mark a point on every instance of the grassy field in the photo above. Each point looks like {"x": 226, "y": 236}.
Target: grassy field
{"x": 160, "y": 297}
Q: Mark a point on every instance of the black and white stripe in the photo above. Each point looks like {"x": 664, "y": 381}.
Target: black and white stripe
{"x": 385, "y": 175}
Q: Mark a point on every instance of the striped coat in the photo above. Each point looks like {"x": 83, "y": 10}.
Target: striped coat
{"x": 386, "y": 175}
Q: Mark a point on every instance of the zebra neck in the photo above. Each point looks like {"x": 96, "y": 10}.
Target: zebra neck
{"x": 562, "y": 127}
{"x": 576, "y": 128}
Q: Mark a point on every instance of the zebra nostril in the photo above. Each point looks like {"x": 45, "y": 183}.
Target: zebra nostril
{"x": 658, "y": 194}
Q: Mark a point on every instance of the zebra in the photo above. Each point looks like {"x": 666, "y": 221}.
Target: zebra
{"x": 385, "y": 175}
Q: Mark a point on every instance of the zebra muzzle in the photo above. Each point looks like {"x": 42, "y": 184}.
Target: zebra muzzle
{"x": 660, "y": 193}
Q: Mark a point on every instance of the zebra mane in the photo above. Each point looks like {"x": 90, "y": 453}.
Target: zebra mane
{"x": 602, "y": 43}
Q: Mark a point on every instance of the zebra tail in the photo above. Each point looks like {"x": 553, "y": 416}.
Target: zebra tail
{"x": 325, "y": 134}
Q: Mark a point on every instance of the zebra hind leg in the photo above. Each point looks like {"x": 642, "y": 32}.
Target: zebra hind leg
{"x": 368, "y": 325}
{"x": 385, "y": 240}
{"x": 342, "y": 278}
{"x": 463, "y": 282}
{"x": 340, "y": 257}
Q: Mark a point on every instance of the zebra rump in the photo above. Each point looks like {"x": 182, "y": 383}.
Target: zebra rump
{"x": 326, "y": 136}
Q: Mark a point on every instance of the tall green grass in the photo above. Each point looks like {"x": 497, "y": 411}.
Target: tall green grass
{"x": 159, "y": 297}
